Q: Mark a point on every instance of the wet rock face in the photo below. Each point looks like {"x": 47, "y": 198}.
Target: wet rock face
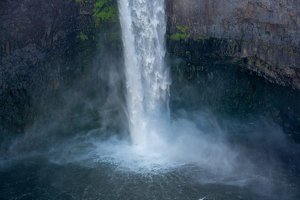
{"x": 265, "y": 34}
{"x": 36, "y": 41}
{"x": 43, "y": 23}
{"x": 230, "y": 91}
{"x": 46, "y": 46}
{"x": 235, "y": 56}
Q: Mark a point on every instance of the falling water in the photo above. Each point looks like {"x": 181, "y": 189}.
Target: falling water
{"x": 143, "y": 28}
{"x": 196, "y": 156}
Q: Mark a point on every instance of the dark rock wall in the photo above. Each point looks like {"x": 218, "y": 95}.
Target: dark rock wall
{"x": 264, "y": 33}
{"x": 41, "y": 53}
{"x": 238, "y": 58}
{"x": 46, "y": 46}
{"x": 231, "y": 92}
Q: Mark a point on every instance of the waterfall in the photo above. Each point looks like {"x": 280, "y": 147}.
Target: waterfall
{"x": 143, "y": 26}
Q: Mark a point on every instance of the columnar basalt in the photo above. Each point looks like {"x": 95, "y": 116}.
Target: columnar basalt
{"x": 263, "y": 35}
{"x": 45, "y": 45}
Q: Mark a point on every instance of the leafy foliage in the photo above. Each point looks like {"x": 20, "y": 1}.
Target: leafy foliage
{"x": 184, "y": 36}
{"x": 82, "y": 36}
{"x": 105, "y": 10}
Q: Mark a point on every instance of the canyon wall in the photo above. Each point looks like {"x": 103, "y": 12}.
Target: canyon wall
{"x": 260, "y": 35}
{"x": 48, "y": 46}
{"x": 238, "y": 58}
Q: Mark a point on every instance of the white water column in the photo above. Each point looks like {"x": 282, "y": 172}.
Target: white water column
{"x": 143, "y": 26}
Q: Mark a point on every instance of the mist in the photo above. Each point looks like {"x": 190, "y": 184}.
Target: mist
{"x": 207, "y": 148}
{"x": 81, "y": 148}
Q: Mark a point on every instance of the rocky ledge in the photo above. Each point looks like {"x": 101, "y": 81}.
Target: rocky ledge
{"x": 260, "y": 35}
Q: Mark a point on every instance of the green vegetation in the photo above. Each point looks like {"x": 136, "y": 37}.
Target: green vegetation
{"x": 105, "y": 17}
{"x": 237, "y": 59}
{"x": 183, "y": 29}
{"x": 266, "y": 47}
{"x": 268, "y": 33}
{"x": 115, "y": 39}
{"x": 105, "y": 10}
{"x": 82, "y": 36}
{"x": 184, "y": 36}
{"x": 201, "y": 38}
{"x": 289, "y": 50}
{"x": 176, "y": 36}
{"x": 79, "y": 1}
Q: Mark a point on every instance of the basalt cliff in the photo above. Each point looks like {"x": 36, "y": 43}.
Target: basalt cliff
{"x": 260, "y": 35}
{"x": 240, "y": 56}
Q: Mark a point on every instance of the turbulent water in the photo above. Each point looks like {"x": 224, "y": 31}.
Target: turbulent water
{"x": 143, "y": 29}
{"x": 170, "y": 153}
